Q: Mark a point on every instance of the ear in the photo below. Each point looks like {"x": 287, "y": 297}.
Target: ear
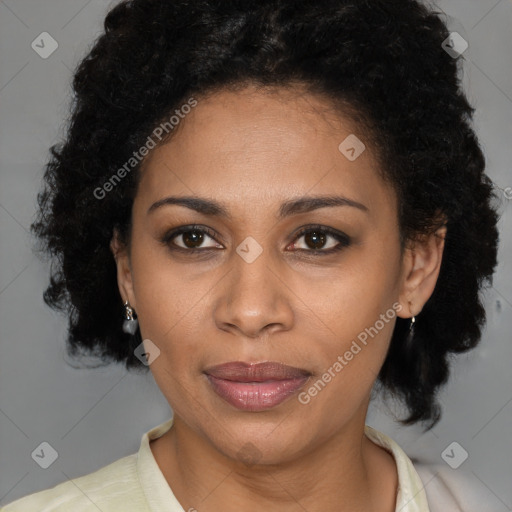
{"x": 124, "y": 271}
{"x": 421, "y": 266}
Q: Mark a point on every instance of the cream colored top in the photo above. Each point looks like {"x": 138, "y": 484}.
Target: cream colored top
{"x": 135, "y": 483}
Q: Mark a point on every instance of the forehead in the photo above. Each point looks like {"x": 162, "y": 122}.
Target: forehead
{"x": 259, "y": 146}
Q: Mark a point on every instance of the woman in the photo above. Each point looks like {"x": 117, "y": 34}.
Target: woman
{"x": 273, "y": 207}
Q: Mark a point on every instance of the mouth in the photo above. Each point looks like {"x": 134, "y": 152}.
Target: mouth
{"x": 255, "y": 387}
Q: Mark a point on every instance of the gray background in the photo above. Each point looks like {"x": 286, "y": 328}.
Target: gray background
{"x": 95, "y": 416}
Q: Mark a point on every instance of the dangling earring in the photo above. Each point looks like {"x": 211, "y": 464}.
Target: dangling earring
{"x": 130, "y": 324}
{"x": 410, "y": 333}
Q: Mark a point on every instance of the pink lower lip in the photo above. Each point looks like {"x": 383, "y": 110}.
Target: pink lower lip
{"x": 255, "y": 396}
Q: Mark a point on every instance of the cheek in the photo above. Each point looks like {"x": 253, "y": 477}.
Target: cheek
{"x": 358, "y": 319}
{"x": 162, "y": 303}
{"x": 350, "y": 367}
{"x": 164, "y": 295}
{"x": 355, "y": 296}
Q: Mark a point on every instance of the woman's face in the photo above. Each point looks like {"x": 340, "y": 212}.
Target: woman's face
{"x": 255, "y": 291}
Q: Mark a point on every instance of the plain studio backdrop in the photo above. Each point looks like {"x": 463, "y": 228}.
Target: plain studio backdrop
{"x": 92, "y": 417}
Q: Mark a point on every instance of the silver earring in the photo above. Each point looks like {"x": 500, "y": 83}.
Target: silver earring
{"x": 130, "y": 324}
{"x": 408, "y": 342}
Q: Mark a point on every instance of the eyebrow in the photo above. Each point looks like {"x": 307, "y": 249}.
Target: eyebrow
{"x": 292, "y": 207}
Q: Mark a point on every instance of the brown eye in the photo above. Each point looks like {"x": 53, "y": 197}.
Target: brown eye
{"x": 192, "y": 239}
{"x": 316, "y": 238}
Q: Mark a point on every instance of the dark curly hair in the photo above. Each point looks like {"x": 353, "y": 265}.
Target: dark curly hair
{"x": 381, "y": 62}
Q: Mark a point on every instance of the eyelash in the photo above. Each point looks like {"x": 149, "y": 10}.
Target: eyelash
{"x": 344, "y": 240}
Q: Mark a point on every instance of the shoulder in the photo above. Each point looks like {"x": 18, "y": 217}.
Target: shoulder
{"x": 110, "y": 488}
{"x": 445, "y": 489}
{"x": 456, "y": 490}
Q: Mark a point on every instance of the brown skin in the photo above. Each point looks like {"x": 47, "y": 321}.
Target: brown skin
{"x": 251, "y": 151}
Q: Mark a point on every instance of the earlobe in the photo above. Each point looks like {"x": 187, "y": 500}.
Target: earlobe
{"x": 124, "y": 274}
{"x": 422, "y": 264}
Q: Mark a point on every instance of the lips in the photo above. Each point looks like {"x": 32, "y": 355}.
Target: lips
{"x": 258, "y": 386}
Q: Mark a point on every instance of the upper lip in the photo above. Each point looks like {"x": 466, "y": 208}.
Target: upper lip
{"x": 240, "y": 371}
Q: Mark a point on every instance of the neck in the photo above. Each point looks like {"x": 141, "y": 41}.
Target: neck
{"x": 347, "y": 472}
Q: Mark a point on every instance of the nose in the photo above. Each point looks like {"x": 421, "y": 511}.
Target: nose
{"x": 254, "y": 300}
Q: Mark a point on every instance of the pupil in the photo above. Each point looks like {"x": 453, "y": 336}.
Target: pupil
{"x": 318, "y": 240}
{"x": 196, "y": 238}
